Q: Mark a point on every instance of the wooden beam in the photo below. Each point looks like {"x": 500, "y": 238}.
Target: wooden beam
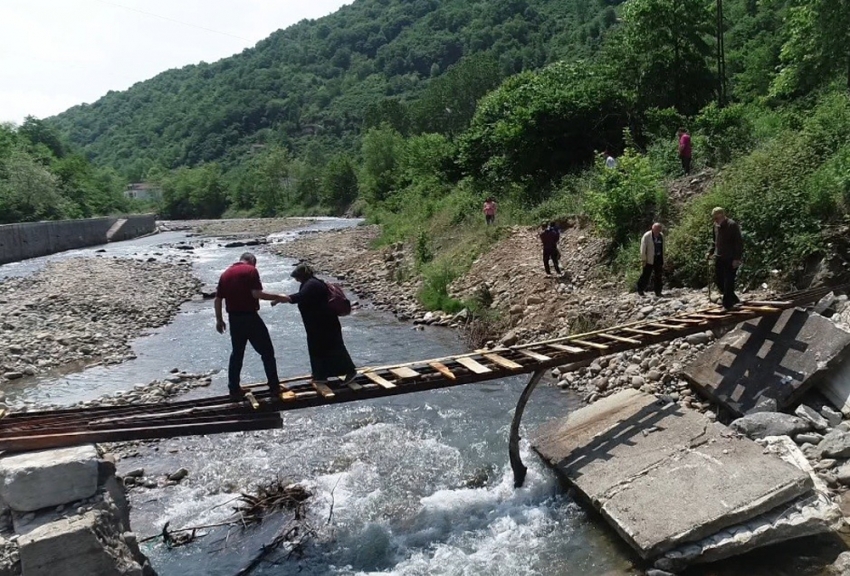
{"x": 591, "y": 344}
{"x": 250, "y": 397}
{"x": 473, "y": 365}
{"x": 405, "y": 372}
{"x": 288, "y": 396}
{"x": 355, "y": 386}
{"x": 620, "y": 339}
{"x": 534, "y": 355}
{"x": 570, "y": 349}
{"x": 443, "y": 369}
{"x": 323, "y": 389}
{"x": 502, "y": 361}
{"x": 383, "y": 383}
{"x": 645, "y": 332}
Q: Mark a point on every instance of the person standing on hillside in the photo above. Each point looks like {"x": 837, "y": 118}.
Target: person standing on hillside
{"x": 652, "y": 258}
{"x": 490, "y": 207}
{"x": 728, "y": 251}
{"x": 549, "y": 237}
{"x": 685, "y": 149}
{"x": 239, "y": 287}
{"x": 610, "y": 161}
{"x": 328, "y": 355}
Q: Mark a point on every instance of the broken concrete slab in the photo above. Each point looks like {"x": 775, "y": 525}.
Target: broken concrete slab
{"x": 819, "y": 423}
{"x": 640, "y": 463}
{"x": 813, "y": 513}
{"x": 835, "y": 386}
{"x": 88, "y": 544}
{"x": 35, "y": 480}
{"x": 777, "y": 357}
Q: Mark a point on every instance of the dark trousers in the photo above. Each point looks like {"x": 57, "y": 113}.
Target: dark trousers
{"x": 553, "y": 255}
{"x": 489, "y": 219}
{"x": 655, "y": 270}
{"x": 686, "y": 164}
{"x": 724, "y": 276}
{"x": 249, "y": 327}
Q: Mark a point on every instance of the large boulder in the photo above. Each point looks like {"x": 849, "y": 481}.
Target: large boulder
{"x": 36, "y": 480}
{"x": 88, "y": 544}
{"x": 764, "y": 424}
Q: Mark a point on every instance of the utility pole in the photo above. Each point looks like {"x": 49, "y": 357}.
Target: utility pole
{"x": 721, "y": 57}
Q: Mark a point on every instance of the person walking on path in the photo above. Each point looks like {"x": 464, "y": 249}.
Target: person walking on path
{"x": 652, "y": 258}
{"x": 490, "y": 208}
{"x": 728, "y": 252}
{"x": 239, "y": 287}
{"x": 328, "y": 355}
{"x": 685, "y": 149}
{"x": 549, "y": 237}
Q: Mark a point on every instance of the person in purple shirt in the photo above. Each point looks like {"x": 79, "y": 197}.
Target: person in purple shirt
{"x": 685, "y": 149}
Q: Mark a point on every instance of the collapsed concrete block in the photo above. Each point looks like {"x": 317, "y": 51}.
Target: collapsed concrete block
{"x": 777, "y": 357}
{"x": 640, "y": 463}
{"x": 88, "y": 544}
{"x": 763, "y": 424}
{"x": 36, "y": 480}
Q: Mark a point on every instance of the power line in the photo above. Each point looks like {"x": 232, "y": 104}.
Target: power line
{"x": 173, "y": 20}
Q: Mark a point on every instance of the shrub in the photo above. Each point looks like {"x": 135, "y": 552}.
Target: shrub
{"x": 434, "y": 294}
{"x": 627, "y": 199}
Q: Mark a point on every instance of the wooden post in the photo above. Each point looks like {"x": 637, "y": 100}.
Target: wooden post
{"x": 513, "y": 445}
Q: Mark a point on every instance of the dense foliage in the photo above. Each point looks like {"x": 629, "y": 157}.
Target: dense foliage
{"x": 41, "y": 178}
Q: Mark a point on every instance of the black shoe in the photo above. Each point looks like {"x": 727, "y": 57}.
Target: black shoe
{"x": 349, "y": 378}
{"x": 641, "y": 293}
{"x": 274, "y": 391}
{"x": 237, "y": 395}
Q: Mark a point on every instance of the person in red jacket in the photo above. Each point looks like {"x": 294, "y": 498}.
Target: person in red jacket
{"x": 239, "y": 287}
{"x": 685, "y": 149}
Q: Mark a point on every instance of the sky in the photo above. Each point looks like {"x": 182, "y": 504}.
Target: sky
{"x": 55, "y": 54}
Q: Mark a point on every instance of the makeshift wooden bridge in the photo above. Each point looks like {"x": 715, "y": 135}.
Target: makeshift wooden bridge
{"x": 73, "y": 426}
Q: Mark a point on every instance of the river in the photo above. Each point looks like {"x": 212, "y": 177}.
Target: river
{"x": 408, "y": 485}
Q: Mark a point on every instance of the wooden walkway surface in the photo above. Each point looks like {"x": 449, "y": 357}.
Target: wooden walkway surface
{"x": 68, "y": 427}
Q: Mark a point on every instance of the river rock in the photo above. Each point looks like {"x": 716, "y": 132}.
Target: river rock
{"x": 35, "y": 480}
{"x": 836, "y": 444}
{"x": 178, "y": 475}
{"x": 818, "y": 422}
{"x": 832, "y": 416}
{"x": 841, "y": 566}
{"x": 763, "y": 424}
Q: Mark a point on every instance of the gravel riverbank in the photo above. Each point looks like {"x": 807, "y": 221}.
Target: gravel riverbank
{"x": 84, "y": 311}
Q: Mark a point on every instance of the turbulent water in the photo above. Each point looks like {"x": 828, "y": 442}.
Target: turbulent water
{"x": 409, "y": 485}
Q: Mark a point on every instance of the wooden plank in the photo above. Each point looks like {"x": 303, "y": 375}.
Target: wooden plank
{"x": 502, "y": 361}
{"x": 719, "y": 316}
{"x": 534, "y": 355}
{"x": 473, "y": 365}
{"x": 2, "y": 413}
{"x": 250, "y": 397}
{"x": 685, "y": 320}
{"x": 645, "y": 332}
{"x": 761, "y": 308}
{"x": 768, "y": 303}
{"x": 570, "y": 349}
{"x": 383, "y": 383}
{"x": 288, "y": 396}
{"x": 591, "y": 344}
{"x": 355, "y": 386}
{"x": 405, "y": 372}
{"x": 323, "y": 389}
{"x": 668, "y": 326}
{"x": 443, "y": 369}
{"x": 621, "y": 339}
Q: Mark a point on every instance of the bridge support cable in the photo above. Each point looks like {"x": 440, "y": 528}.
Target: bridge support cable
{"x": 517, "y": 466}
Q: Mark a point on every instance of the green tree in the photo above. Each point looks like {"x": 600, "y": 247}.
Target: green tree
{"x": 28, "y": 191}
{"x": 382, "y": 150}
{"x": 662, "y": 52}
{"x": 339, "y": 183}
{"x": 817, "y": 46}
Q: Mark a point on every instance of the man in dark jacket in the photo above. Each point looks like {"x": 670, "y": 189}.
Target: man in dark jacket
{"x": 241, "y": 290}
{"x": 549, "y": 237}
{"x": 728, "y": 251}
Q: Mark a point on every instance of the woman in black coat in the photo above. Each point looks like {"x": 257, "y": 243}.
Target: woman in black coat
{"x": 328, "y": 355}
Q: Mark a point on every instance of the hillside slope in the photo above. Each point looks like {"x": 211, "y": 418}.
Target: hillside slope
{"x": 320, "y": 79}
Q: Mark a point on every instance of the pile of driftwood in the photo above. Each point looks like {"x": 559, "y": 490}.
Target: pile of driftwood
{"x": 266, "y": 501}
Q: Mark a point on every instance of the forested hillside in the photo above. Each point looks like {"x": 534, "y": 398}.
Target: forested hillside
{"x": 417, "y": 111}
{"x": 312, "y": 86}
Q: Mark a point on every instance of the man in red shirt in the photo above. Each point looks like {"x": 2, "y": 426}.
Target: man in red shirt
{"x": 685, "y": 149}
{"x": 241, "y": 290}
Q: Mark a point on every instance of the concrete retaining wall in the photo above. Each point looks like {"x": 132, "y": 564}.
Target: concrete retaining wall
{"x": 32, "y": 239}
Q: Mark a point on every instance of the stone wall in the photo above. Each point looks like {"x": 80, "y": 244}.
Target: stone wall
{"x": 63, "y": 513}
{"x": 32, "y": 239}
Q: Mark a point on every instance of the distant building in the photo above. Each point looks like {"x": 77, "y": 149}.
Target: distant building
{"x": 143, "y": 191}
